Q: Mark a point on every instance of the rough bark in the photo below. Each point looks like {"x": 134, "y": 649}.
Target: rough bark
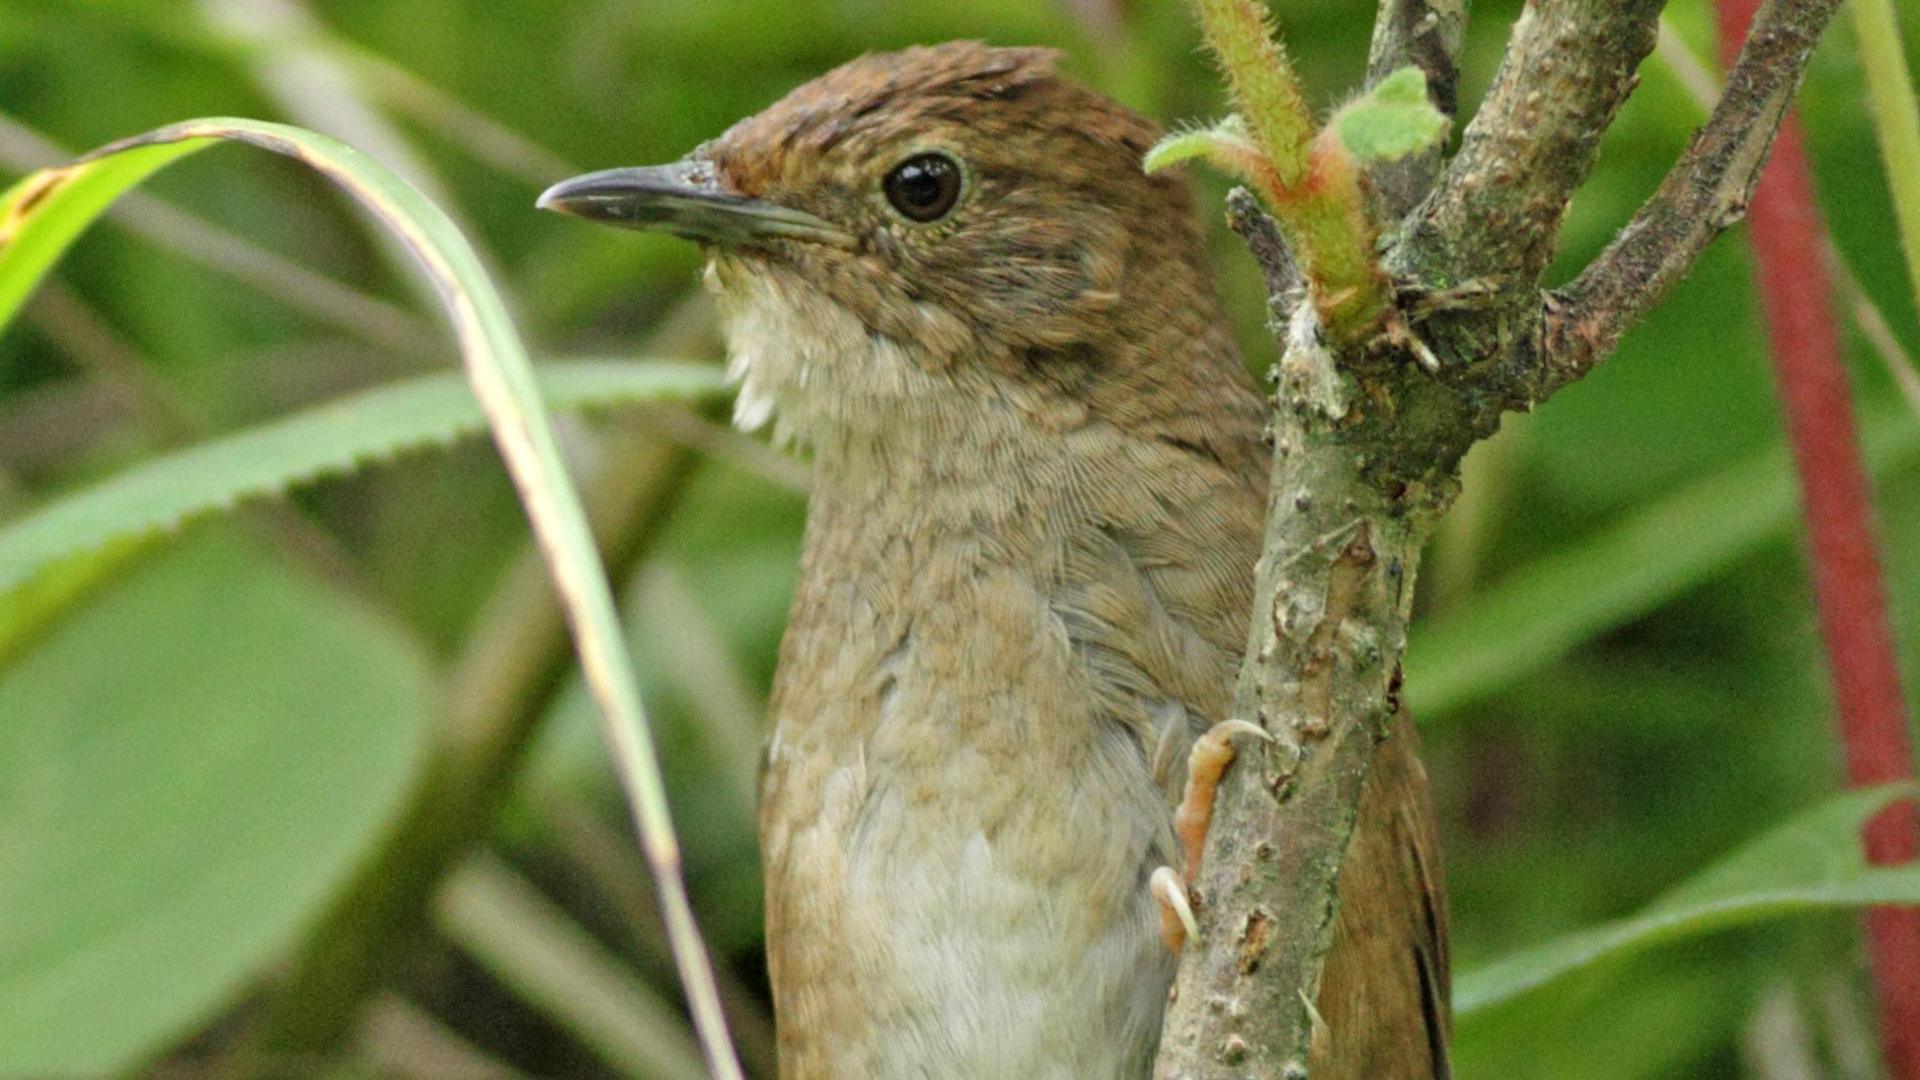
{"x": 1367, "y": 445}
{"x": 1704, "y": 193}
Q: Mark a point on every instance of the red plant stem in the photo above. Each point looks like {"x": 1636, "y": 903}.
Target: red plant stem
{"x": 1796, "y": 295}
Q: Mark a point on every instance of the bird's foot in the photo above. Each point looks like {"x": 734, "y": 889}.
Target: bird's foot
{"x": 1206, "y": 763}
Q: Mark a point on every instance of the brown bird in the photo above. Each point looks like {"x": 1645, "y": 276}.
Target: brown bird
{"x": 1038, "y": 490}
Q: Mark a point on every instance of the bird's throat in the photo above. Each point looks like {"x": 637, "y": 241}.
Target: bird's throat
{"x": 873, "y": 409}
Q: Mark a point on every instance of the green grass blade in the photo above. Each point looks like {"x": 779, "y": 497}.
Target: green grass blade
{"x": 1811, "y": 863}
{"x": 373, "y": 425}
{"x": 1546, "y": 609}
{"x": 502, "y": 378}
{"x": 1896, "y": 119}
{"x": 530, "y": 943}
{"x": 60, "y": 204}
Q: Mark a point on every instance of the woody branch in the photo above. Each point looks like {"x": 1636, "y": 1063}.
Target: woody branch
{"x": 1367, "y": 444}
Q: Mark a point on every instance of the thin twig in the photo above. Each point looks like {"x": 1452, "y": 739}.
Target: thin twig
{"x": 1703, "y": 87}
{"x": 1704, "y": 193}
{"x": 1269, "y": 246}
{"x": 1569, "y": 65}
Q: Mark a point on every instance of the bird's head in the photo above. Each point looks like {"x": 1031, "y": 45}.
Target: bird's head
{"x": 916, "y": 231}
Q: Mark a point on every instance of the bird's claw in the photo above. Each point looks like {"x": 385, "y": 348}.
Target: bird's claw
{"x": 1177, "y": 924}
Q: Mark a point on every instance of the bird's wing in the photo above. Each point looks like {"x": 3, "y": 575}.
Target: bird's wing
{"x": 1386, "y": 988}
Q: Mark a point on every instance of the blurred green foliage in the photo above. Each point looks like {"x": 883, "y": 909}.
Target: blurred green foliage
{"x": 177, "y": 813}
{"x": 268, "y": 678}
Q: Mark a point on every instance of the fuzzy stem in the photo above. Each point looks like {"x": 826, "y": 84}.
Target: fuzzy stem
{"x": 1264, "y": 87}
{"x": 1315, "y": 188}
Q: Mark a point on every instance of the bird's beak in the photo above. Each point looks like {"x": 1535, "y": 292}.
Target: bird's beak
{"x": 687, "y": 198}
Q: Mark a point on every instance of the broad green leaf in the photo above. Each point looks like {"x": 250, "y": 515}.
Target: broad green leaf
{"x": 31, "y": 606}
{"x": 1546, "y": 609}
{"x": 1812, "y": 862}
{"x": 189, "y": 766}
{"x": 1392, "y": 120}
{"x": 502, "y": 378}
{"x": 341, "y": 435}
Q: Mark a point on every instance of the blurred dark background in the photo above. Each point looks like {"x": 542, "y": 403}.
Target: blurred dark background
{"x": 203, "y": 744}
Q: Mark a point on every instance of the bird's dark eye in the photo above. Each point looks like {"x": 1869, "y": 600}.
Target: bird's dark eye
{"x": 924, "y": 187}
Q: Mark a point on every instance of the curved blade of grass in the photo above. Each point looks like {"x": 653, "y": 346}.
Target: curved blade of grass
{"x": 60, "y": 204}
{"x": 167, "y": 491}
{"x": 1896, "y": 119}
{"x": 1813, "y": 862}
{"x": 165, "y": 225}
{"x": 503, "y": 921}
{"x": 502, "y": 378}
{"x": 1544, "y": 610}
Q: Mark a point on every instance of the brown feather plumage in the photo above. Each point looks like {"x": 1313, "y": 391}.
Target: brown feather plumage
{"x": 1025, "y": 587}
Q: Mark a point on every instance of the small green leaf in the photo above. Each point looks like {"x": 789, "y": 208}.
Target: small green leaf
{"x": 1812, "y": 862}
{"x": 1223, "y": 144}
{"x": 1392, "y": 120}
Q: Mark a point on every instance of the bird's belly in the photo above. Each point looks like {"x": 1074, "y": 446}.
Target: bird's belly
{"x": 949, "y": 921}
